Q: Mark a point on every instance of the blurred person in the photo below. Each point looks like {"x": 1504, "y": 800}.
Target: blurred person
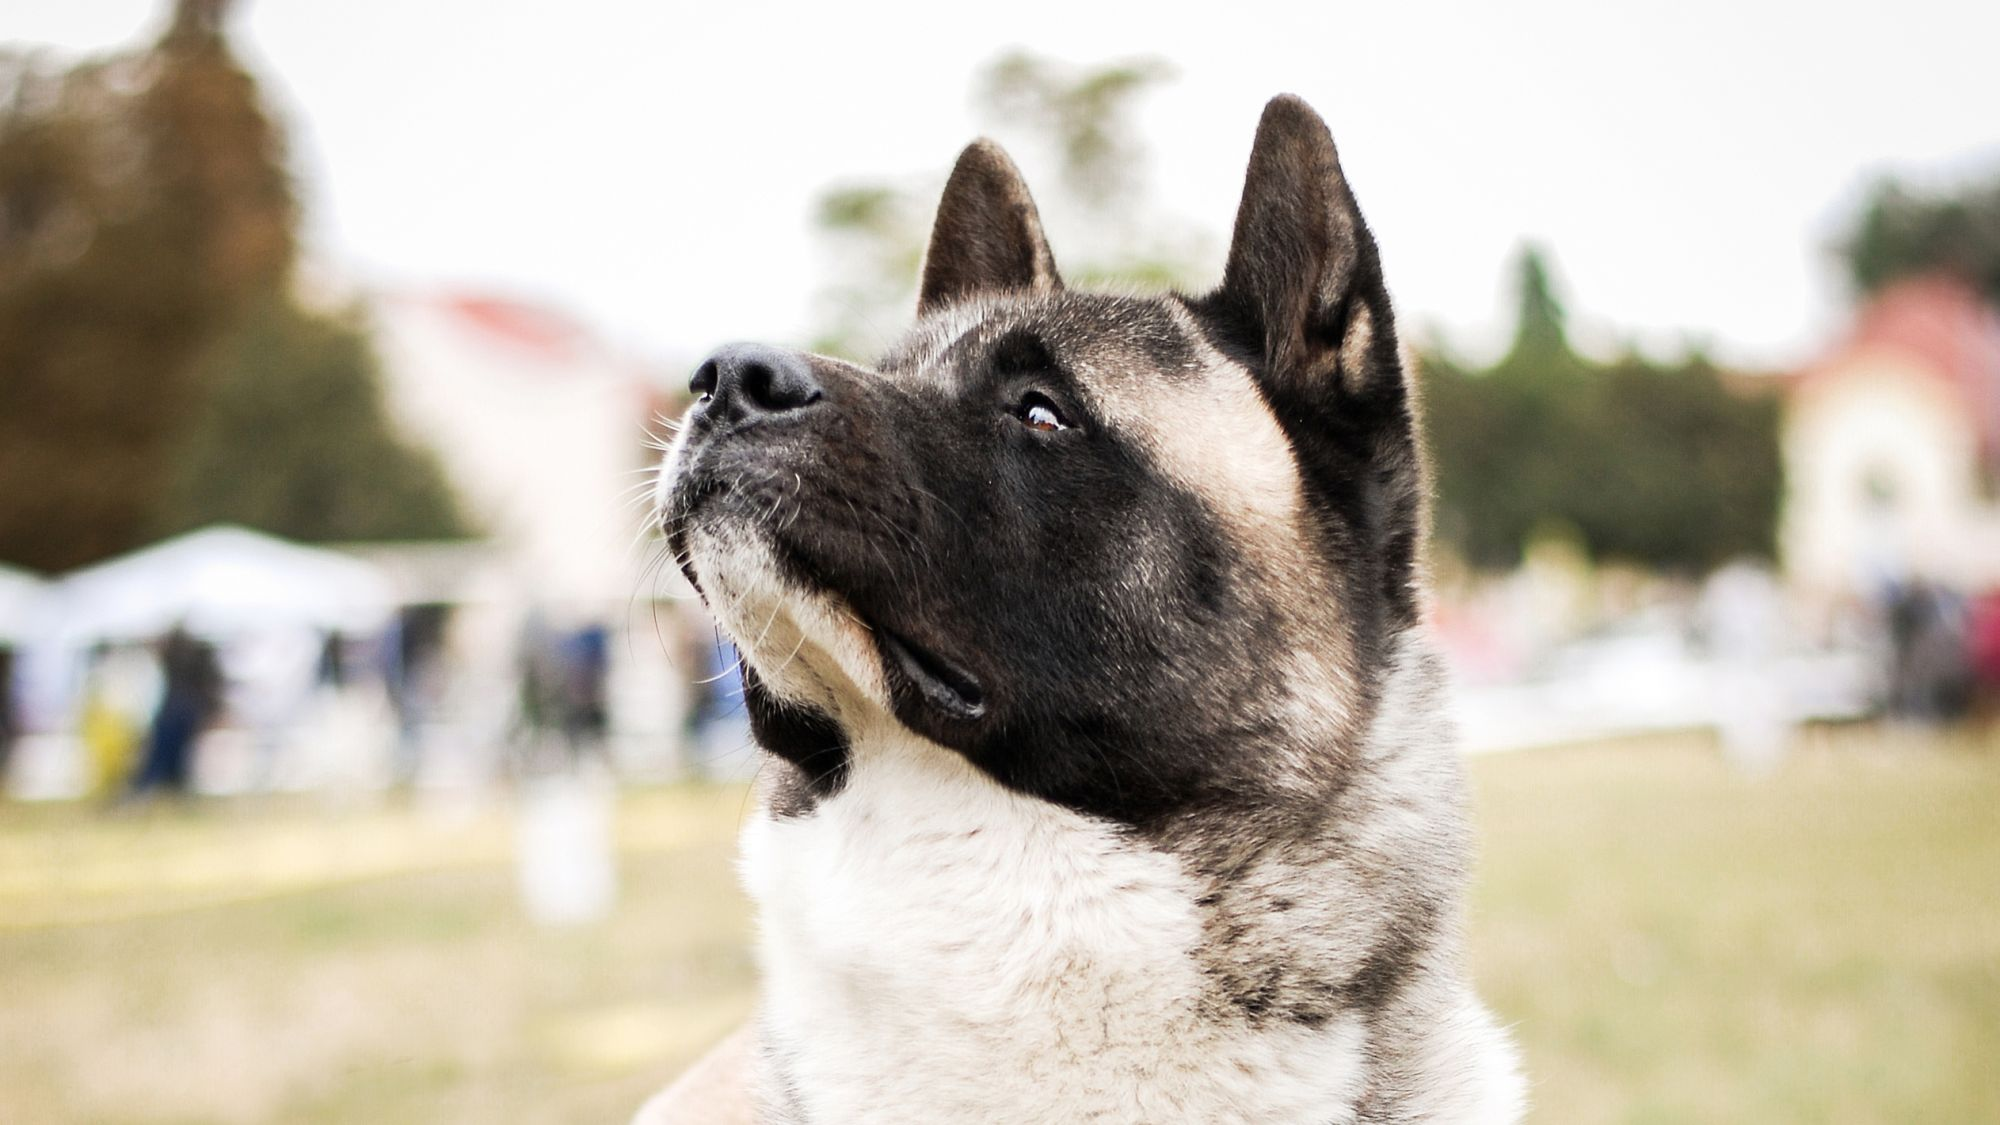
{"x": 190, "y": 698}
{"x": 9, "y": 713}
{"x": 537, "y": 688}
{"x": 412, "y": 675}
{"x": 330, "y": 672}
{"x": 564, "y": 848}
{"x": 121, "y": 689}
{"x": 346, "y": 722}
{"x": 563, "y": 678}
{"x": 1930, "y": 672}
{"x": 1985, "y": 646}
{"x": 399, "y": 683}
{"x": 584, "y": 664}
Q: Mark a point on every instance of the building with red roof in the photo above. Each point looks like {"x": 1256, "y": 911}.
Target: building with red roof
{"x": 1891, "y": 445}
{"x": 540, "y": 424}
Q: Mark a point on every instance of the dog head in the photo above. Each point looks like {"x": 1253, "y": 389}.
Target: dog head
{"x": 1129, "y": 555}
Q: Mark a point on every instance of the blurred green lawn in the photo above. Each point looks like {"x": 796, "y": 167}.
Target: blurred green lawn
{"x": 1671, "y": 942}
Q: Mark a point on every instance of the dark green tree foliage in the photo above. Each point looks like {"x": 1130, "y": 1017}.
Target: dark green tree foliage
{"x": 1665, "y": 466}
{"x": 1902, "y": 232}
{"x": 294, "y": 439}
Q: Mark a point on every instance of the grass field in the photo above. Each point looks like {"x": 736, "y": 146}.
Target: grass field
{"x": 1671, "y": 942}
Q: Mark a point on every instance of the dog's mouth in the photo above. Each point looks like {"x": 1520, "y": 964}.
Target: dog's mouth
{"x": 933, "y": 680}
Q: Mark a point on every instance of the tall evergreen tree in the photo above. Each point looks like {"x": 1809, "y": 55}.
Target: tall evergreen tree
{"x": 1541, "y": 331}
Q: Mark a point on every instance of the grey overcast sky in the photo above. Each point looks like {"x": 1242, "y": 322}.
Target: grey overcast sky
{"x": 650, "y": 166}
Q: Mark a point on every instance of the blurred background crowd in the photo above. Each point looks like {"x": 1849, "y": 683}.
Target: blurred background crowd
{"x": 286, "y": 528}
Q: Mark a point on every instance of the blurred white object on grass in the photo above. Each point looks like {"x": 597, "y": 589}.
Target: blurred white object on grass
{"x": 565, "y": 848}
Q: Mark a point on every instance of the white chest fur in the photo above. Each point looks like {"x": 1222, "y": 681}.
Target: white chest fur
{"x": 937, "y": 949}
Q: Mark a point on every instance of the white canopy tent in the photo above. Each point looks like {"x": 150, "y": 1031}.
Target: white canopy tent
{"x": 216, "y": 582}
{"x": 19, "y": 593}
{"x": 220, "y": 583}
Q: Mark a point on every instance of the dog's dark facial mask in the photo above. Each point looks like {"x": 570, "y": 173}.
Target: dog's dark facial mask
{"x": 1129, "y": 555}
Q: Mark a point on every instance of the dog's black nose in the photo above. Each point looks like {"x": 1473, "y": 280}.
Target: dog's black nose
{"x": 743, "y": 381}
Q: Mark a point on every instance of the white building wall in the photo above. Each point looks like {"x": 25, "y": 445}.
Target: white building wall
{"x": 543, "y": 449}
{"x": 1880, "y": 470}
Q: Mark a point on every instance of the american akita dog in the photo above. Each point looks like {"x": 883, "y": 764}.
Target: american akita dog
{"x": 1109, "y": 774}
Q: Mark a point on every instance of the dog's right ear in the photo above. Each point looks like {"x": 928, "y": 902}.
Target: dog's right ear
{"x": 988, "y": 236}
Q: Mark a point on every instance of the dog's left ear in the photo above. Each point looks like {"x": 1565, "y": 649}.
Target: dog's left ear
{"x": 1304, "y": 288}
{"x": 1303, "y": 270}
{"x": 988, "y": 236}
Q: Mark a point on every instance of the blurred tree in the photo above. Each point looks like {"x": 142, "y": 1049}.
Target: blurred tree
{"x": 220, "y": 158}
{"x": 1084, "y": 114}
{"x": 143, "y": 198}
{"x": 874, "y": 233}
{"x": 294, "y": 439}
{"x": 1541, "y": 330}
{"x": 1079, "y": 118}
{"x": 144, "y": 206}
{"x": 1901, "y": 231}
{"x": 1668, "y": 466}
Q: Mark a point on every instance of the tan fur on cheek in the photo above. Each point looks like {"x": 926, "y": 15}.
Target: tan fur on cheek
{"x": 1210, "y": 431}
{"x": 807, "y": 646}
{"x": 1216, "y": 437}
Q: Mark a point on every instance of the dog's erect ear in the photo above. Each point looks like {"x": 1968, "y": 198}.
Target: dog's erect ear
{"x": 988, "y": 236}
{"x": 1304, "y": 288}
{"x": 1303, "y": 271}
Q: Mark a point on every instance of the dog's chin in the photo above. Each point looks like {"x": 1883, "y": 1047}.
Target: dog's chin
{"x": 814, "y": 645}
{"x": 807, "y": 645}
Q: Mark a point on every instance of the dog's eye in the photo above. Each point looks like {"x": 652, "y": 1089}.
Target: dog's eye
{"x": 1038, "y": 413}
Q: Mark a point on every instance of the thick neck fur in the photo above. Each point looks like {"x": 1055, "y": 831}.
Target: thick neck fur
{"x": 937, "y": 948}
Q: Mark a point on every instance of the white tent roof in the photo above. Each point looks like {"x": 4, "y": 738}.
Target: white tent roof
{"x": 216, "y": 581}
{"x": 19, "y": 591}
